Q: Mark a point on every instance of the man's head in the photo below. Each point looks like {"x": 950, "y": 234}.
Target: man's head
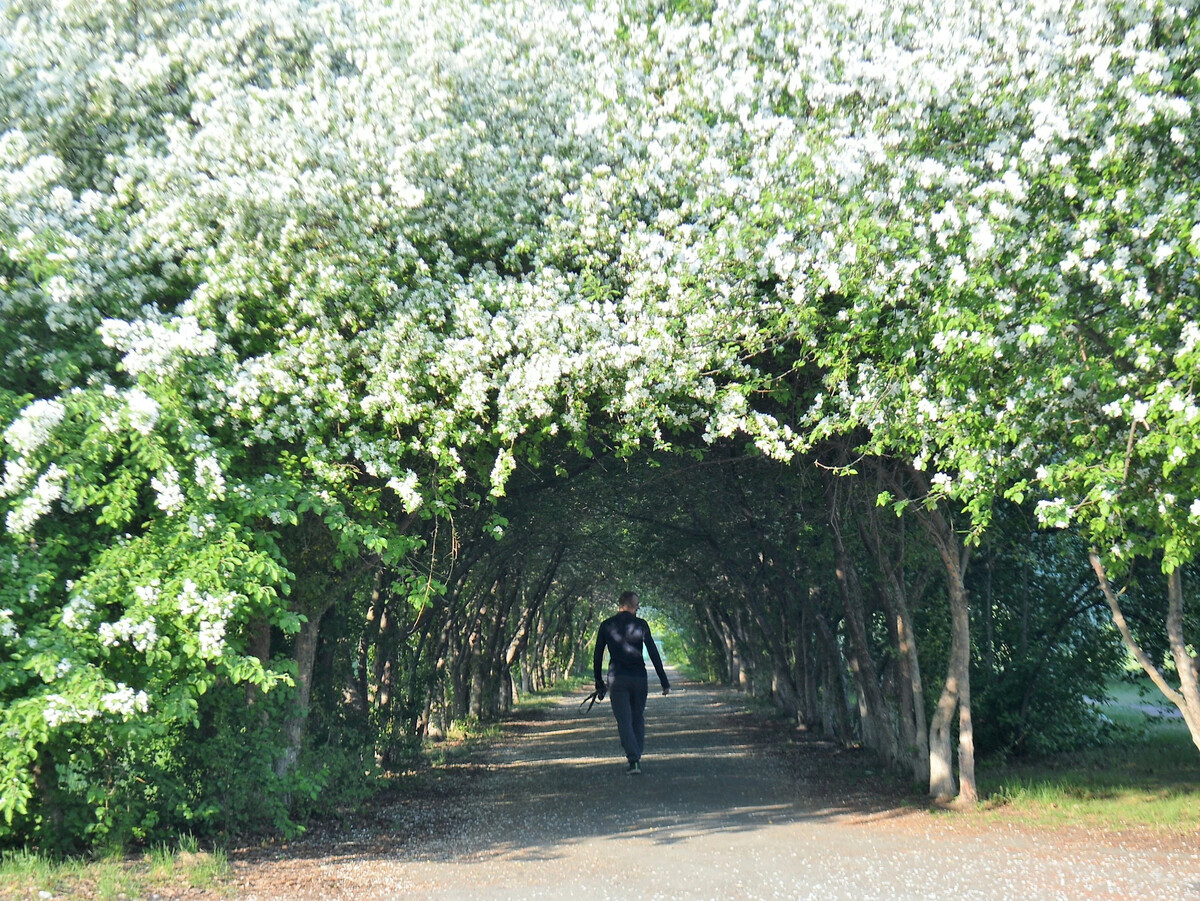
{"x": 628, "y": 601}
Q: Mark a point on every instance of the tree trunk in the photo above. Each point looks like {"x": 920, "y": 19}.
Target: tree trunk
{"x": 957, "y": 690}
{"x": 305, "y": 654}
{"x": 1185, "y": 663}
{"x": 416, "y": 694}
{"x": 358, "y": 686}
{"x": 808, "y": 662}
{"x": 877, "y": 731}
{"x": 989, "y": 638}
{"x": 491, "y": 662}
{"x": 835, "y": 717}
{"x": 466, "y": 669}
{"x": 516, "y": 648}
{"x": 724, "y": 641}
{"x": 260, "y": 648}
{"x": 914, "y": 727}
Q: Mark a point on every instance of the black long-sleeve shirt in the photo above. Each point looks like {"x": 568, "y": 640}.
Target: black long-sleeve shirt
{"x": 625, "y": 635}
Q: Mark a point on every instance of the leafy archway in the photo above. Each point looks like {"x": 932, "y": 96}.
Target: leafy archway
{"x": 319, "y": 318}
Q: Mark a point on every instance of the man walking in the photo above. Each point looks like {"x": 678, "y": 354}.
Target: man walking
{"x": 625, "y": 635}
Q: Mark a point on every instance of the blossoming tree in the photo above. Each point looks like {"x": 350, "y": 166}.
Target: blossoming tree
{"x": 284, "y": 282}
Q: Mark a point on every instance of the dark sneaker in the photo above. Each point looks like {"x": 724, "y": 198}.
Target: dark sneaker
{"x": 635, "y": 769}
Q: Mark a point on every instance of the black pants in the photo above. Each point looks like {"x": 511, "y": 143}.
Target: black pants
{"x": 628, "y": 696}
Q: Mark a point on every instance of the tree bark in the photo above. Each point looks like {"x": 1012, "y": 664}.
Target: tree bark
{"x": 1185, "y": 663}
{"x": 957, "y": 689}
{"x": 808, "y": 662}
{"x": 358, "y": 686}
{"x": 260, "y": 648}
{"x": 305, "y": 654}
{"x": 914, "y": 725}
{"x": 836, "y": 702}
{"x": 877, "y": 731}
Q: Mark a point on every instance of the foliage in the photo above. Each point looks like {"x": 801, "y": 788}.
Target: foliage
{"x": 296, "y": 294}
{"x": 1048, "y": 650}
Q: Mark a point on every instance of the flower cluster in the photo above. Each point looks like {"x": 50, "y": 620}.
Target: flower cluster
{"x": 77, "y": 612}
{"x": 24, "y": 515}
{"x": 60, "y": 710}
{"x": 33, "y": 427}
{"x": 142, "y": 634}
{"x": 8, "y": 629}
{"x": 211, "y": 614}
{"x": 124, "y": 701}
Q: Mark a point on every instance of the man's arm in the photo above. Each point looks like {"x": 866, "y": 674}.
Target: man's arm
{"x": 597, "y": 659}
{"x": 657, "y": 661}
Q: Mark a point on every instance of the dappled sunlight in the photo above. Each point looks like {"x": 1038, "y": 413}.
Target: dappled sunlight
{"x": 561, "y": 783}
{"x": 724, "y": 808}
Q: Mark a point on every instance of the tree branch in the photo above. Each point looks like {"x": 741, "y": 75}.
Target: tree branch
{"x": 1127, "y": 636}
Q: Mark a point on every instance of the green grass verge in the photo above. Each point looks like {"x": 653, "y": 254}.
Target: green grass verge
{"x": 469, "y": 735}
{"x": 116, "y": 877}
{"x": 539, "y": 700}
{"x": 1148, "y": 776}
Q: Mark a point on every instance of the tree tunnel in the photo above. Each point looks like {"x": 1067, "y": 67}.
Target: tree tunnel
{"x": 787, "y": 580}
{"x": 358, "y": 354}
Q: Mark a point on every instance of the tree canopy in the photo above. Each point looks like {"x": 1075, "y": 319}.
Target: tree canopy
{"x": 325, "y": 324}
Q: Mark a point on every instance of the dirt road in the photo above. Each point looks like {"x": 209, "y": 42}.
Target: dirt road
{"x": 724, "y": 809}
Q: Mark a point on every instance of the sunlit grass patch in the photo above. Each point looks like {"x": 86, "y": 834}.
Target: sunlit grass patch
{"x": 1148, "y": 776}
{"x": 24, "y": 874}
{"x": 549, "y": 697}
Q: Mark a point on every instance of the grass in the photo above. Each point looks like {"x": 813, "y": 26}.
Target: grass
{"x": 469, "y": 735}
{"x": 540, "y": 700}
{"x": 1148, "y": 777}
{"x": 116, "y": 877}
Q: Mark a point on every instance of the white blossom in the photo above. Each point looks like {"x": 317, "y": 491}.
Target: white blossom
{"x": 151, "y": 347}
{"x": 169, "y": 496}
{"x": 407, "y": 489}
{"x": 32, "y": 428}
{"x": 25, "y": 514}
{"x": 143, "y": 410}
{"x": 124, "y": 701}
{"x": 211, "y": 613}
{"x": 210, "y": 477}
{"x": 141, "y": 634}
{"x": 77, "y": 612}
{"x": 1053, "y": 513}
{"x": 60, "y": 710}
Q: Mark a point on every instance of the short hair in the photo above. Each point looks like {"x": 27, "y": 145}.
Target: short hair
{"x": 627, "y": 598}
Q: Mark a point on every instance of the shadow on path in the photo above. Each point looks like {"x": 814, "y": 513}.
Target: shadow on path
{"x": 559, "y": 777}
{"x": 731, "y": 804}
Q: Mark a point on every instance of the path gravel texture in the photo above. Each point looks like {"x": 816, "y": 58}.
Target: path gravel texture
{"x": 729, "y": 806}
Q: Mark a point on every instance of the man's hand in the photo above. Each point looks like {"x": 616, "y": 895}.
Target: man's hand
{"x": 666, "y": 689}
{"x": 601, "y": 691}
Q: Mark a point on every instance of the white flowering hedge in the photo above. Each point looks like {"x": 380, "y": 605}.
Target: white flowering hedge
{"x": 265, "y": 259}
{"x": 977, "y": 228}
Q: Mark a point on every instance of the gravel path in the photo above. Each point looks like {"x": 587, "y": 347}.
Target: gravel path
{"x": 726, "y": 808}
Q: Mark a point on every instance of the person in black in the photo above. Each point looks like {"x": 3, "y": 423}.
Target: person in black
{"x": 625, "y": 635}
